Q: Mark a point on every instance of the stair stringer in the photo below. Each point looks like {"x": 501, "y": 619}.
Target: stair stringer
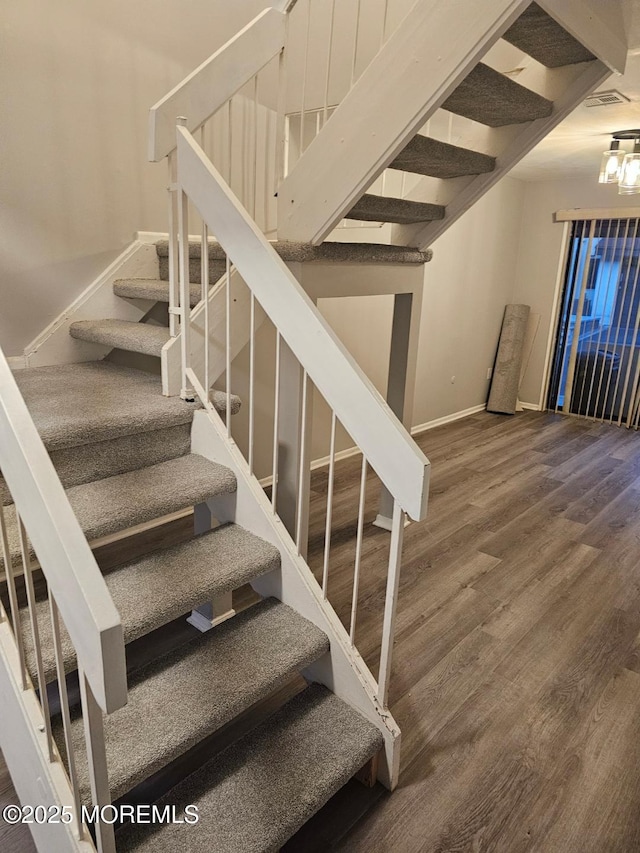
{"x": 385, "y": 108}
{"x": 342, "y": 670}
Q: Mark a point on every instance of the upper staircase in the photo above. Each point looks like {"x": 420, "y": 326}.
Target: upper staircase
{"x": 512, "y": 71}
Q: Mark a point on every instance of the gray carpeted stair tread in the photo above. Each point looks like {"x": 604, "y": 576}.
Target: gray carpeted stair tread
{"x": 426, "y": 156}
{"x": 122, "y": 334}
{"x": 541, "y": 37}
{"x": 374, "y": 208}
{"x": 257, "y": 793}
{"x": 492, "y": 99}
{"x": 108, "y": 506}
{"x": 146, "y": 592}
{"x": 378, "y": 253}
{"x": 155, "y": 289}
{"x": 180, "y": 699}
{"x": 74, "y": 404}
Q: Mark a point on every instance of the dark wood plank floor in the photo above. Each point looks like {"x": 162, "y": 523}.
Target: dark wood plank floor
{"x": 516, "y": 677}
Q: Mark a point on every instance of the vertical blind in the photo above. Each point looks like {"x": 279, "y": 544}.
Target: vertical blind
{"x": 596, "y": 366}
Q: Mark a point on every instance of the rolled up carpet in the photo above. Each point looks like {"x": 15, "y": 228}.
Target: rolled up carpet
{"x": 505, "y": 382}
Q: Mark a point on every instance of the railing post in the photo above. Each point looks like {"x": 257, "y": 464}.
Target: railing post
{"x": 282, "y": 147}
{"x": 97, "y": 761}
{"x": 174, "y": 298}
{"x": 401, "y": 380}
{"x": 186, "y": 392}
{"x": 66, "y": 715}
{"x": 390, "y": 604}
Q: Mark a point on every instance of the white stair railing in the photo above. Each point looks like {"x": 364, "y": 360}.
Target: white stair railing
{"x": 324, "y": 365}
{"x": 321, "y": 71}
{"x": 251, "y": 109}
{"x": 221, "y": 203}
{"x": 220, "y": 101}
{"x": 37, "y": 523}
{"x": 253, "y": 114}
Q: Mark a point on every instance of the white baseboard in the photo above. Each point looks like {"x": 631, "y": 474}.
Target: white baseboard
{"x": 54, "y": 345}
{"x": 154, "y": 237}
{"x": 447, "y": 419}
{"x": 17, "y": 362}
{"x": 323, "y": 461}
{"x": 347, "y": 453}
{"x": 150, "y": 237}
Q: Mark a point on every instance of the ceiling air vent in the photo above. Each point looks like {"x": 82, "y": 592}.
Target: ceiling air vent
{"x": 606, "y": 99}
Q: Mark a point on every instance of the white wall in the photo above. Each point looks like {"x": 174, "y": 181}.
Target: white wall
{"x": 467, "y": 285}
{"x": 76, "y": 81}
{"x": 539, "y": 257}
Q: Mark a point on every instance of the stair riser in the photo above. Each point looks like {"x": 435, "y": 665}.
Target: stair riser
{"x": 216, "y": 269}
{"x": 89, "y": 462}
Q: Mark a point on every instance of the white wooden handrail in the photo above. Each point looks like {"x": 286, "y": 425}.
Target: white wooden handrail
{"x": 390, "y": 450}
{"x": 214, "y": 82}
{"x": 73, "y": 576}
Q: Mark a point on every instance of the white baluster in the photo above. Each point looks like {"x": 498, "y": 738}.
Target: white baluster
{"x": 356, "y": 569}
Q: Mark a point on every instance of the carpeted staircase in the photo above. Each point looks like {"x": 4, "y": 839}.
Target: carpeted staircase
{"x": 123, "y": 453}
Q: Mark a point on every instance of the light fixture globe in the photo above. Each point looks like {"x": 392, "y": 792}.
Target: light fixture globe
{"x": 611, "y": 164}
{"x": 616, "y": 167}
{"x": 629, "y": 182}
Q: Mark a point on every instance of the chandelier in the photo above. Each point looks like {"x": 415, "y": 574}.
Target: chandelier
{"x": 619, "y": 167}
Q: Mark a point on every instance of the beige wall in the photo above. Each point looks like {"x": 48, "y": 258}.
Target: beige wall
{"x": 76, "y": 81}
{"x": 467, "y": 284}
{"x": 77, "y": 78}
{"x": 539, "y": 257}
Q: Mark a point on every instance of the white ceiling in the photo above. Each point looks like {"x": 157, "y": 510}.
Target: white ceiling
{"x": 574, "y": 148}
